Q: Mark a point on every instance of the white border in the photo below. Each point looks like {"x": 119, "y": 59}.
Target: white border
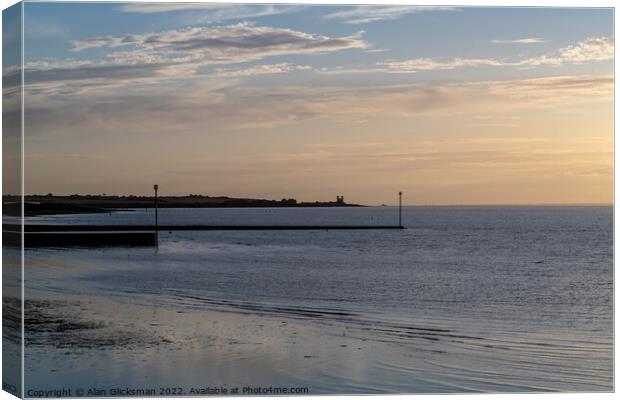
{"x": 476, "y": 3}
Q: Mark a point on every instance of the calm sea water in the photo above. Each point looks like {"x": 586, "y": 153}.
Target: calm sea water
{"x": 523, "y": 292}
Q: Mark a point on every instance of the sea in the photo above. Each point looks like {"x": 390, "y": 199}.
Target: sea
{"x": 464, "y": 299}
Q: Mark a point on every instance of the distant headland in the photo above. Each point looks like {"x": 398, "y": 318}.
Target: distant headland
{"x": 75, "y": 204}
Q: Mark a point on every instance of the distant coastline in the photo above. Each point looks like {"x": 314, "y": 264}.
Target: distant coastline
{"x": 76, "y": 204}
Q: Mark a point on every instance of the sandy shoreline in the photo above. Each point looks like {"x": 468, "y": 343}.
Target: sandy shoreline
{"x": 95, "y": 342}
{"x": 98, "y": 344}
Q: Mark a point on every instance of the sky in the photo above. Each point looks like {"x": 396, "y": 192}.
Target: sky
{"x": 451, "y": 105}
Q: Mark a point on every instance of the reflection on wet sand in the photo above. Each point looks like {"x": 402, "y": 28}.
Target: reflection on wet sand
{"x": 98, "y": 343}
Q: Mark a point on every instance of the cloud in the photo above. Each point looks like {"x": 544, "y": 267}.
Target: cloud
{"x": 180, "y": 54}
{"x": 45, "y": 73}
{"x": 492, "y": 125}
{"x": 366, "y": 14}
{"x": 348, "y": 71}
{"x": 211, "y": 12}
{"x": 158, "y": 109}
{"x": 280, "y": 68}
{"x": 529, "y": 40}
{"x": 228, "y": 43}
{"x": 72, "y": 76}
{"x": 428, "y": 64}
{"x": 186, "y": 124}
{"x": 556, "y": 89}
{"x": 146, "y": 8}
{"x": 592, "y": 49}
{"x": 77, "y": 77}
{"x": 589, "y": 50}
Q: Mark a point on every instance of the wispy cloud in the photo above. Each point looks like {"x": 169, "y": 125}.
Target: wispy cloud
{"x": 529, "y": 40}
{"x": 366, "y": 14}
{"x": 589, "y": 50}
{"x": 347, "y": 71}
{"x": 254, "y": 70}
{"x": 146, "y": 8}
{"x": 428, "y": 64}
{"x": 156, "y": 108}
{"x": 212, "y": 11}
{"x": 180, "y": 54}
{"x": 73, "y": 71}
{"x": 225, "y": 43}
{"x": 492, "y": 125}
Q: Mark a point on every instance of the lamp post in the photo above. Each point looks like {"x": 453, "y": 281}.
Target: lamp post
{"x": 156, "y": 187}
{"x": 400, "y": 209}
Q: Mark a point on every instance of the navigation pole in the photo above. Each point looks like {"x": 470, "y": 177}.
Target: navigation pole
{"x": 400, "y": 209}
{"x": 156, "y": 187}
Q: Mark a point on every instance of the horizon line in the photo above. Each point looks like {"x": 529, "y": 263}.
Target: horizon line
{"x": 550, "y": 204}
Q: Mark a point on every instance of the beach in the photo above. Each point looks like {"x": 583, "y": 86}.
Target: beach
{"x": 90, "y": 344}
{"x": 326, "y": 312}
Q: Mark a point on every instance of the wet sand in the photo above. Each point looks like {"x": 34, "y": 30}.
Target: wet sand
{"x": 100, "y": 343}
{"x": 96, "y": 343}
